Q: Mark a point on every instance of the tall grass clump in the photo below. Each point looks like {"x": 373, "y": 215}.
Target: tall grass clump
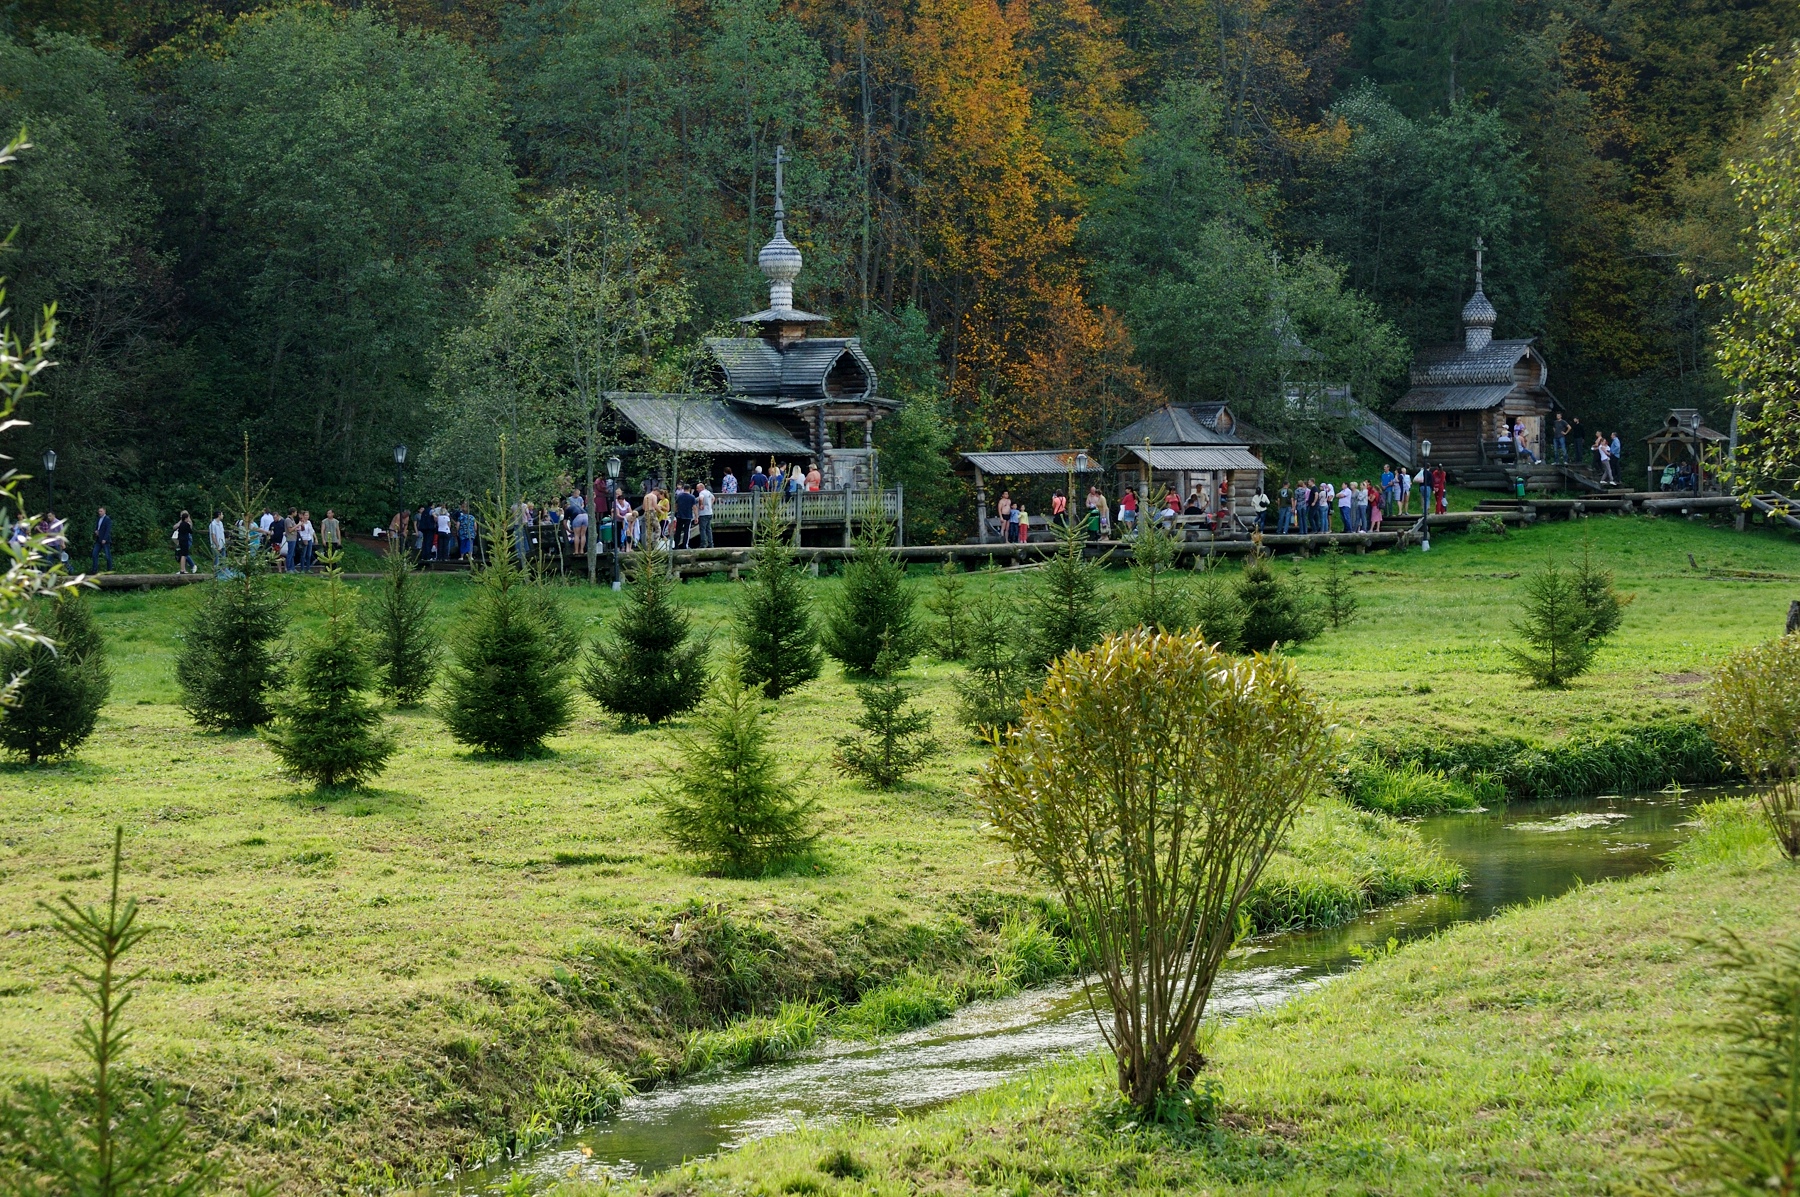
{"x": 1406, "y": 789}
{"x": 794, "y": 1027}
{"x": 909, "y": 1001}
{"x": 1753, "y": 711}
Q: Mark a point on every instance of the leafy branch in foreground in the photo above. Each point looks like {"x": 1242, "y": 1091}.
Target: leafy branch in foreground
{"x": 1150, "y": 780}
{"x": 105, "y": 1133}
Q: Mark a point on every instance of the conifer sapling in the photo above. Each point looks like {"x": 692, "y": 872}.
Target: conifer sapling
{"x": 874, "y": 601}
{"x": 326, "y": 730}
{"x": 61, "y": 686}
{"x": 998, "y": 673}
{"x": 896, "y": 736}
{"x": 1159, "y": 600}
{"x": 231, "y": 661}
{"x": 1277, "y": 610}
{"x": 649, "y": 665}
{"x": 1218, "y": 611}
{"x": 404, "y": 646}
{"x": 948, "y": 601}
{"x": 730, "y": 802}
{"x": 1067, "y": 615}
{"x": 1339, "y": 597}
{"x": 1554, "y": 627}
{"x": 778, "y": 640}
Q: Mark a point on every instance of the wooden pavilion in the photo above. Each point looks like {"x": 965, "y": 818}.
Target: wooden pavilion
{"x": 1683, "y": 438}
{"x": 1192, "y": 447}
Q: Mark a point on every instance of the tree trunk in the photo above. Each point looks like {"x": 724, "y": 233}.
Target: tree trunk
{"x": 1793, "y": 623}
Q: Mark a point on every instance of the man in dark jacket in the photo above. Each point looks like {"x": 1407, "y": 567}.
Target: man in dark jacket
{"x": 684, "y": 515}
{"x": 102, "y": 541}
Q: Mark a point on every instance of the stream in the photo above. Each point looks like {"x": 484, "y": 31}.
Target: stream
{"x": 1519, "y": 853}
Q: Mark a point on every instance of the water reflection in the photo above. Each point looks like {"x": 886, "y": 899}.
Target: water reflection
{"x": 1516, "y": 854}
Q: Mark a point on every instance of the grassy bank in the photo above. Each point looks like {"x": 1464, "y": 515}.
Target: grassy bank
{"x": 361, "y": 988}
{"x": 1522, "y": 1055}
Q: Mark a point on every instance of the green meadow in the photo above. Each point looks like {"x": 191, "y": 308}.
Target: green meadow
{"x": 358, "y": 990}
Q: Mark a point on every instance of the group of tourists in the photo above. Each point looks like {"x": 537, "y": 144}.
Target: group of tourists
{"x": 292, "y": 540}
{"x": 1096, "y": 520}
{"x": 1305, "y": 507}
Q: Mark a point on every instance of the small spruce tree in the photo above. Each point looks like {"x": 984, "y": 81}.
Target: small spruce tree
{"x": 1218, "y": 611}
{"x": 60, "y": 689}
{"x": 896, "y": 736}
{"x": 404, "y": 647}
{"x": 948, "y": 602}
{"x": 507, "y": 688}
{"x": 230, "y": 663}
{"x": 775, "y": 629}
{"x": 649, "y": 665}
{"x": 1277, "y": 610}
{"x": 874, "y": 601}
{"x": 1339, "y": 597}
{"x": 1554, "y": 627}
{"x": 1159, "y": 597}
{"x": 998, "y": 674}
{"x": 730, "y": 803}
{"x": 1066, "y": 612}
{"x": 105, "y": 1132}
{"x": 326, "y": 730}
{"x": 1603, "y": 604}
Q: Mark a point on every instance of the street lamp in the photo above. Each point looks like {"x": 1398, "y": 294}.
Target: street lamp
{"x": 613, "y": 465}
{"x": 50, "y": 476}
{"x": 1425, "y": 507}
{"x": 400, "y": 475}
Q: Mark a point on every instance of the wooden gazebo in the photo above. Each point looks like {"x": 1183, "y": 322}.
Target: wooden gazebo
{"x": 1025, "y": 463}
{"x": 1683, "y": 437}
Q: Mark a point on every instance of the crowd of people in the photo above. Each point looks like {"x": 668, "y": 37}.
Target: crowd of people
{"x": 1305, "y": 506}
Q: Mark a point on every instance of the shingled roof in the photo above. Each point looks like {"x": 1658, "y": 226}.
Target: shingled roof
{"x": 1171, "y": 425}
{"x": 814, "y": 368}
{"x": 1490, "y": 365}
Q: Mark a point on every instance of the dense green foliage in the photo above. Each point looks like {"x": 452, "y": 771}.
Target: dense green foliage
{"x": 649, "y": 664}
{"x": 507, "y": 688}
{"x": 874, "y": 608}
{"x": 1040, "y": 222}
{"x": 1753, "y": 712}
{"x": 326, "y": 729}
{"x": 107, "y": 1131}
{"x": 403, "y": 641}
{"x": 1149, "y": 782}
{"x": 1409, "y": 789}
{"x": 895, "y": 735}
{"x": 61, "y": 686}
{"x": 231, "y": 658}
{"x": 729, "y": 801}
{"x": 778, "y": 639}
{"x": 1278, "y": 608}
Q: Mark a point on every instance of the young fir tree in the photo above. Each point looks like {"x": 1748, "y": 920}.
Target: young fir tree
{"x": 948, "y": 602}
{"x": 1339, "y": 598}
{"x": 896, "y": 736}
{"x": 649, "y": 665}
{"x": 1159, "y": 597}
{"x": 775, "y": 629}
{"x": 326, "y": 730}
{"x": 404, "y": 646}
{"x": 730, "y": 802}
{"x": 1066, "y": 613}
{"x": 230, "y": 662}
{"x": 875, "y": 601}
{"x": 1277, "y": 610}
{"x": 1218, "y": 611}
{"x": 1603, "y": 604}
{"x": 989, "y": 693}
{"x": 60, "y": 689}
{"x": 507, "y": 688}
{"x": 105, "y": 1132}
{"x": 1554, "y": 627}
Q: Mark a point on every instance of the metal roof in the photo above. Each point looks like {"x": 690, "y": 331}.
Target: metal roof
{"x": 1491, "y": 365}
{"x": 1442, "y": 398}
{"x": 756, "y": 368}
{"x": 702, "y": 424}
{"x": 1030, "y": 461}
{"x": 1206, "y": 457}
{"x": 1171, "y": 425}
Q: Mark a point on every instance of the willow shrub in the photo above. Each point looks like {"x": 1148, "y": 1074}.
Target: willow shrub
{"x": 1753, "y": 712}
{"x": 1150, "y": 780}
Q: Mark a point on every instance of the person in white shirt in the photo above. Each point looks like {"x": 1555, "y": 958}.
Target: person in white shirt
{"x": 703, "y": 509}
{"x": 215, "y": 536}
{"x": 304, "y": 551}
{"x": 1327, "y": 496}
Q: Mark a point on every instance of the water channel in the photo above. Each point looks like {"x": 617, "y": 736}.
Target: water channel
{"x": 1516, "y": 854}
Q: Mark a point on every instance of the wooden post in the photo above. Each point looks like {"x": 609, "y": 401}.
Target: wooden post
{"x": 1793, "y": 623}
{"x": 980, "y": 507}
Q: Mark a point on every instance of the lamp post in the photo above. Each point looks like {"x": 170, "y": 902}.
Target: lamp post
{"x": 1425, "y": 508}
{"x": 613, "y": 465}
{"x": 50, "y": 477}
{"x": 400, "y": 475}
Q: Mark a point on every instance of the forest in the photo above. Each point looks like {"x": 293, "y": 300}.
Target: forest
{"x": 331, "y": 228}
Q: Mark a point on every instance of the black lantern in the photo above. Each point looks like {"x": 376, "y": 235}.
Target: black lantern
{"x": 50, "y": 476}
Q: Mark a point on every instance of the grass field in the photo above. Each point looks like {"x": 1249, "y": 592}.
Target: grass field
{"x": 359, "y": 987}
{"x": 1526, "y": 1055}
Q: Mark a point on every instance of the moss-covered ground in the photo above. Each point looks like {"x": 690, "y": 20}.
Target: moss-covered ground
{"x": 356, "y": 989}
